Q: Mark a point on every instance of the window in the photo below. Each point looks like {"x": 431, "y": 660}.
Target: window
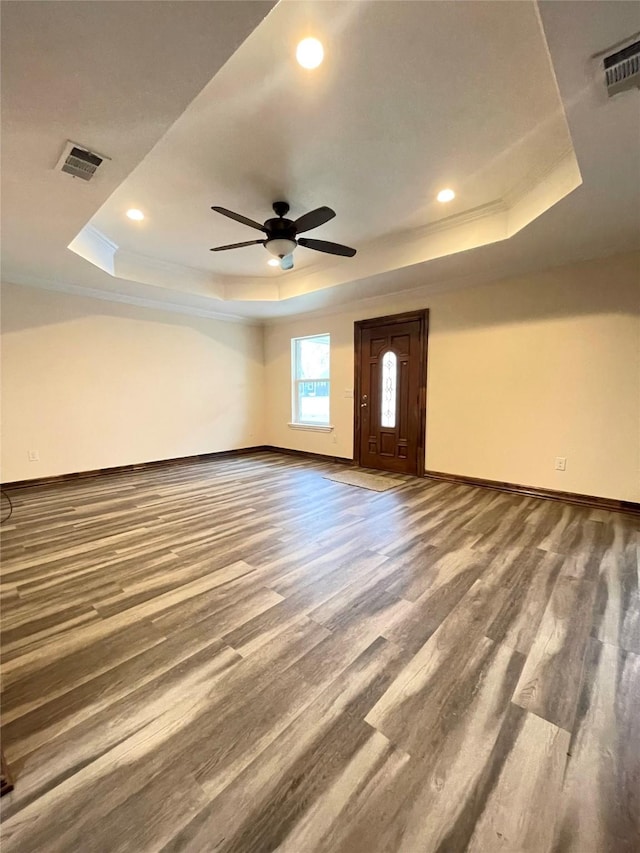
{"x": 310, "y": 369}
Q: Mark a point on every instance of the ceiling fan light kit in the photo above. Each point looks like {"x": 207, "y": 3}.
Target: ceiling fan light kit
{"x": 282, "y": 233}
{"x": 280, "y": 247}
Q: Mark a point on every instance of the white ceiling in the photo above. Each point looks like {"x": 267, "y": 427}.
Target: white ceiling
{"x": 411, "y": 97}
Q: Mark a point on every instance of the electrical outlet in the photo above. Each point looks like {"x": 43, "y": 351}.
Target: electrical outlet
{"x": 34, "y": 455}
{"x": 561, "y": 463}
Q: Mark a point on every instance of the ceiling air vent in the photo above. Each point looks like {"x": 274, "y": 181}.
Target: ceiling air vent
{"x": 622, "y": 69}
{"x": 79, "y": 161}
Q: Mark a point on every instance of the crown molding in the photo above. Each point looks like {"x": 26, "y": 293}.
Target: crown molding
{"x": 128, "y": 299}
{"x": 535, "y": 179}
{"x": 94, "y": 246}
{"x": 133, "y": 266}
{"x": 97, "y": 235}
{"x": 413, "y": 235}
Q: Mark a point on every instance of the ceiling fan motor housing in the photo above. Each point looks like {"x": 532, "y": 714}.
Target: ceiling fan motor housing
{"x": 281, "y": 232}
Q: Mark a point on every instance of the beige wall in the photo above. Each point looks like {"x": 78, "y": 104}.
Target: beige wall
{"x": 520, "y": 372}
{"x": 92, "y": 384}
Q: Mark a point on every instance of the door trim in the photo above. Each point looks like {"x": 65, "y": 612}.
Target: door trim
{"x": 358, "y": 327}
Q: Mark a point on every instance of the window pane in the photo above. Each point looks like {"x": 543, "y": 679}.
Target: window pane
{"x": 312, "y": 358}
{"x": 388, "y": 395}
{"x": 311, "y": 379}
{"x": 313, "y": 402}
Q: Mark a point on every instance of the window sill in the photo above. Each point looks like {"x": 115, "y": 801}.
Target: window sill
{"x": 312, "y": 427}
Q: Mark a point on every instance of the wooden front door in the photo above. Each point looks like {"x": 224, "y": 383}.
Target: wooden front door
{"x": 390, "y": 392}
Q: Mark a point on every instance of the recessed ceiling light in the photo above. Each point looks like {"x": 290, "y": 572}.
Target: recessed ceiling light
{"x": 310, "y": 53}
{"x": 446, "y": 195}
{"x": 134, "y": 214}
{"x": 273, "y": 262}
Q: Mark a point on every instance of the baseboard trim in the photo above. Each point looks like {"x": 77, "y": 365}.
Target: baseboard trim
{"x": 593, "y": 501}
{"x": 611, "y": 504}
{"x": 137, "y": 466}
{"x": 306, "y": 454}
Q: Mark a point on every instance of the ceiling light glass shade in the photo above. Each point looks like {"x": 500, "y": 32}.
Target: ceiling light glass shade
{"x": 280, "y": 247}
{"x": 446, "y": 195}
{"x": 136, "y": 215}
{"x": 310, "y": 53}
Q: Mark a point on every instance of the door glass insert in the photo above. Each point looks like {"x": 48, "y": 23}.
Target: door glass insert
{"x": 388, "y": 396}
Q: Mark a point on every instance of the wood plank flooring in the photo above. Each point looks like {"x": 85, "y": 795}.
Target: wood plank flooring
{"x": 240, "y": 655}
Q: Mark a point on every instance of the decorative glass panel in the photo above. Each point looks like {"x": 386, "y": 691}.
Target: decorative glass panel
{"x": 388, "y": 395}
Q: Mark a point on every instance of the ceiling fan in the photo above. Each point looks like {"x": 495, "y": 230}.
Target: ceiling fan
{"x": 282, "y": 234}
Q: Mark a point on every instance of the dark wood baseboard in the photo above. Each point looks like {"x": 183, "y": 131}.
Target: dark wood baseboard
{"x": 610, "y": 504}
{"x": 305, "y": 454}
{"x": 138, "y": 466}
{"x": 594, "y": 501}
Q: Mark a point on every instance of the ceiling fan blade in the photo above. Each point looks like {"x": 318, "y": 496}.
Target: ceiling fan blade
{"x": 314, "y": 218}
{"x": 326, "y": 246}
{"x": 287, "y": 262}
{"x": 237, "y": 245}
{"x": 239, "y": 218}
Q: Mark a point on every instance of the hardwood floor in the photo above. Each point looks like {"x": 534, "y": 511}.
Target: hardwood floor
{"x": 240, "y": 655}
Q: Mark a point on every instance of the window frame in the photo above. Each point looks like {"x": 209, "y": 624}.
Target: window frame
{"x": 296, "y": 382}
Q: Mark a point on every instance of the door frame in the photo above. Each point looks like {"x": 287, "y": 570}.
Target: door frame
{"x": 358, "y": 327}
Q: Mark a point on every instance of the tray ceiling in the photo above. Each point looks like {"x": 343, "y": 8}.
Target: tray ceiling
{"x": 496, "y": 100}
{"x": 411, "y": 98}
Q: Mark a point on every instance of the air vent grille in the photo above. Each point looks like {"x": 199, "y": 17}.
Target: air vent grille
{"x": 622, "y": 69}
{"x": 79, "y": 161}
